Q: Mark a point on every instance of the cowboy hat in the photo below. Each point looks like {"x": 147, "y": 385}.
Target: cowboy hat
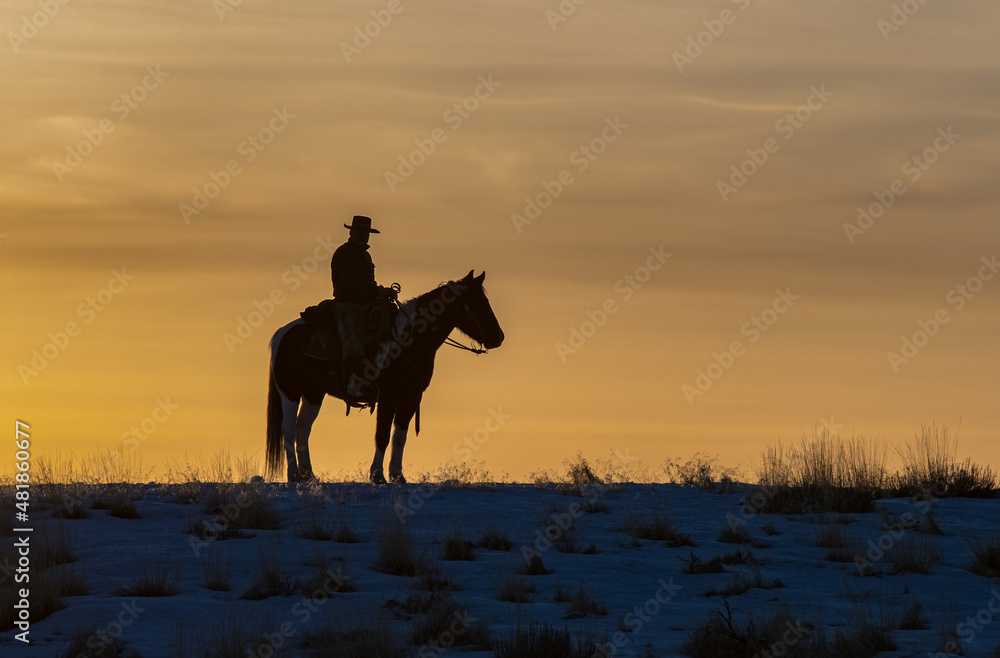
{"x": 362, "y": 222}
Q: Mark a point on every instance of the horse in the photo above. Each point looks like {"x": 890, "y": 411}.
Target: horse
{"x": 404, "y": 368}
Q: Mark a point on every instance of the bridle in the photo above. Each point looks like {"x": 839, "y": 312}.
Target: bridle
{"x": 451, "y": 342}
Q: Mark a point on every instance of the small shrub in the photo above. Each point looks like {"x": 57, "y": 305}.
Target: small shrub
{"x": 152, "y": 574}
{"x": 216, "y": 567}
{"x": 268, "y": 580}
{"x": 445, "y": 624}
{"x": 366, "y": 641}
{"x": 434, "y": 580}
{"x": 546, "y": 642}
{"x": 69, "y": 501}
{"x": 912, "y": 618}
{"x": 53, "y": 545}
{"x": 656, "y": 528}
{"x": 493, "y": 539}
{"x": 69, "y": 580}
{"x": 533, "y": 566}
{"x": 245, "y": 506}
{"x": 721, "y": 635}
{"x": 840, "y": 546}
{"x": 326, "y": 578}
{"x": 913, "y": 555}
{"x": 581, "y": 604}
{"x": 511, "y": 585}
{"x": 345, "y": 533}
{"x": 769, "y": 529}
{"x": 315, "y": 527}
{"x": 929, "y": 525}
{"x": 985, "y": 555}
{"x": 931, "y": 469}
{"x": 735, "y": 534}
{"x": 695, "y": 565}
{"x": 87, "y": 642}
{"x": 741, "y": 557}
{"x": 230, "y": 636}
{"x": 119, "y": 501}
{"x": 825, "y": 473}
{"x": 700, "y": 471}
{"x": 744, "y": 582}
{"x": 396, "y": 554}
{"x": 580, "y": 479}
{"x": 457, "y": 547}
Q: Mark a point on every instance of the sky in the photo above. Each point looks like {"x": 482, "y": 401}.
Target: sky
{"x": 706, "y": 226}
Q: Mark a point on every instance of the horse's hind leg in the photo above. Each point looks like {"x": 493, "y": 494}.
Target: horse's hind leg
{"x": 289, "y": 411}
{"x": 303, "y": 426}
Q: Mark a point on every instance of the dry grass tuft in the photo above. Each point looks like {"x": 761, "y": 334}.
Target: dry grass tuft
{"x": 655, "y": 528}
{"x": 457, "y": 547}
{"x": 494, "y": 539}
{"x": 513, "y": 586}
{"x": 930, "y": 468}
{"x": 268, "y": 580}
{"x": 151, "y": 574}
{"x": 985, "y": 554}
{"x": 546, "y": 641}
{"x": 396, "y": 553}
{"x": 216, "y": 567}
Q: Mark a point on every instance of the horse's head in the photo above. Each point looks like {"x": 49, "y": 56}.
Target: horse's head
{"x": 475, "y": 316}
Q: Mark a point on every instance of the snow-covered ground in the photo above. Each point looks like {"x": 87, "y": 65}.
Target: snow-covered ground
{"x": 640, "y": 583}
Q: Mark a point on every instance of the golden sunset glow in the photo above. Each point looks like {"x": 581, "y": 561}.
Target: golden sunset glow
{"x": 705, "y": 226}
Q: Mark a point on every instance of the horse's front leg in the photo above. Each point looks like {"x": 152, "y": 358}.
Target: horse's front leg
{"x": 383, "y": 421}
{"x": 400, "y": 426}
{"x": 303, "y": 426}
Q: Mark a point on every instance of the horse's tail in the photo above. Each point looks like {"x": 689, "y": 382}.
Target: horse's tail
{"x": 275, "y": 447}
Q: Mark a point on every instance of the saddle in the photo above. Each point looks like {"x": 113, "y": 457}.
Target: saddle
{"x": 371, "y": 326}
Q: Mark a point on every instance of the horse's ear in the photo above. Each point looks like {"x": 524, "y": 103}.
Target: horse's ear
{"x": 481, "y": 278}
{"x": 469, "y": 275}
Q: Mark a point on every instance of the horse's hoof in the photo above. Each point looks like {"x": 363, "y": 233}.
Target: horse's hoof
{"x": 397, "y": 478}
{"x": 378, "y": 478}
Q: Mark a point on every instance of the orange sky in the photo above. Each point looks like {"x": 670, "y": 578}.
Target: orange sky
{"x": 198, "y": 87}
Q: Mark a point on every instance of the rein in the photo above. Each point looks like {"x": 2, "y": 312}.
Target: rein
{"x": 451, "y": 342}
